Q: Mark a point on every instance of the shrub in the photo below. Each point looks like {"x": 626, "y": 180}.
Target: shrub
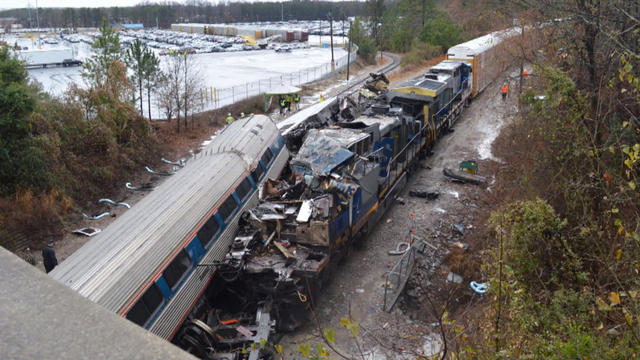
{"x": 535, "y": 246}
{"x": 420, "y": 52}
{"x": 367, "y": 50}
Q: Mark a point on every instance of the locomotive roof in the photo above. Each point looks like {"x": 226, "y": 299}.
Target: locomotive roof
{"x": 385, "y": 122}
{"x": 448, "y": 65}
{"x": 117, "y": 262}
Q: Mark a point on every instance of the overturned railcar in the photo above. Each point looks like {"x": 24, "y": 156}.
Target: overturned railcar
{"x": 147, "y": 266}
{"x": 345, "y": 172}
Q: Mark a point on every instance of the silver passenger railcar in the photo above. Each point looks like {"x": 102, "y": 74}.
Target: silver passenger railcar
{"x": 145, "y": 265}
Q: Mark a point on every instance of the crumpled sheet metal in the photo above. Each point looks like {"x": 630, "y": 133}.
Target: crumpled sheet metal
{"x": 115, "y": 203}
{"x": 321, "y": 154}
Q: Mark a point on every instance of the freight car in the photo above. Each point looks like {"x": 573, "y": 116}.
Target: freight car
{"x": 486, "y": 56}
{"x": 145, "y": 266}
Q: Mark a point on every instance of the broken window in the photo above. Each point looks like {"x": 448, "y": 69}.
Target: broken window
{"x": 267, "y": 157}
{"x": 208, "y": 231}
{"x": 141, "y": 312}
{"x": 227, "y": 208}
{"x": 176, "y": 269}
{"x": 257, "y": 173}
{"x": 243, "y": 189}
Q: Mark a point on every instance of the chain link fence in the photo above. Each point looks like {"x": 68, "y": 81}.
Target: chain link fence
{"x": 214, "y": 98}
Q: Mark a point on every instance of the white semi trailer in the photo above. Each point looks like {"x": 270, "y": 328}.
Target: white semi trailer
{"x": 44, "y": 58}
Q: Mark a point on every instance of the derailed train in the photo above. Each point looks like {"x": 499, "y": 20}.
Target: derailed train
{"x": 346, "y": 170}
{"x": 235, "y": 245}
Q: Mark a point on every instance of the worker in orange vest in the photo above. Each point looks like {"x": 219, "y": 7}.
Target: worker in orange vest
{"x": 504, "y": 90}
{"x": 524, "y": 73}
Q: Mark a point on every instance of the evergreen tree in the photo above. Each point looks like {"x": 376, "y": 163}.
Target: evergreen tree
{"x": 151, "y": 73}
{"x": 20, "y": 160}
{"x": 106, "y": 50}
{"x": 135, "y": 58}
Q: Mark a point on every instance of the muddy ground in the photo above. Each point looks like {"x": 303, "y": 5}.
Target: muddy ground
{"x": 410, "y": 330}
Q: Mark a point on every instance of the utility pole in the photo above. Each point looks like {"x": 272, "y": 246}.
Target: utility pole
{"x": 37, "y": 19}
{"x": 38, "y": 25}
{"x": 29, "y": 15}
{"x": 282, "y": 11}
{"x": 380, "y": 40}
{"x": 349, "y": 53}
{"x": 333, "y": 64}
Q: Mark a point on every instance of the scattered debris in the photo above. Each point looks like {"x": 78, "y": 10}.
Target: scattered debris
{"x": 360, "y": 291}
{"x": 455, "y": 278}
{"x": 459, "y": 228}
{"x": 480, "y": 288}
{"x": 144, "y": 187}
{"x": 97, "y": 216}
{"x": 305, "y": 211}
{"x": 109, "y": 201}
{"x": 86, "y": 231}
{"x": 454, "y": 193}
{"x": 161, "y": 173}
{"x": 425, "y": 194}
{"x": 400, "y": 200}
{"x": 420, "y": 244}
{"x": 377, "y": 82}
{"x": 461, "y": 245}
{"x": 470, "y": 166}
{"x": 180, "y": 162}
{"x": 283, "y": 250}
{"x": 401, "y": 248}
{"x": 463, "y": 176}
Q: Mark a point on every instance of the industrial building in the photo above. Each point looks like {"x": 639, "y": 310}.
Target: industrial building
{"x": 253, "y": 31}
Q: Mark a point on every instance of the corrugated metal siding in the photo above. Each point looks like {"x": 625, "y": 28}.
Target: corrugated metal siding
{"x": 113, "y": 266}
{"x": 182, "y": 301}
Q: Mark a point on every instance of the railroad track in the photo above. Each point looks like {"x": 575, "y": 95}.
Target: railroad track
{"x": 360, "y": 80}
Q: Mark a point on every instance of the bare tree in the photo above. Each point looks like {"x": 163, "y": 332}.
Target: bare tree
{"x": 178, "y": 93}
{"x": 172, "y": 87}
{"x": 165, "y": 99}
{"x": 191, "y": 83}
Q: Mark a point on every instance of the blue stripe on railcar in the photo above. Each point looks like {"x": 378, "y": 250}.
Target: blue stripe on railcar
{"x": 164, "y": 287}
{"x": 194, "y": 248}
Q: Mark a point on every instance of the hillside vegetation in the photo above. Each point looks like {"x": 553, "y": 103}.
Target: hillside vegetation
{"x": 58, "y": 156}
{"x": 563, "y": 250}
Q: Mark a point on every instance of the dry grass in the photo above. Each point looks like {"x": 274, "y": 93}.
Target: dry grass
{"x": 35, "y": 216}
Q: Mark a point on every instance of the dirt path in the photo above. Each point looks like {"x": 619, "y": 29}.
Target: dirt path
{"x": 357, "y": 288}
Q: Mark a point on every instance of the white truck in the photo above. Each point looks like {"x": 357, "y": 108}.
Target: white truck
{"x": 44, "y": 58}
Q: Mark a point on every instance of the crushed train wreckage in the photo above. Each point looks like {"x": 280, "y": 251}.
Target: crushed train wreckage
{"x": 349, "y": 163}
